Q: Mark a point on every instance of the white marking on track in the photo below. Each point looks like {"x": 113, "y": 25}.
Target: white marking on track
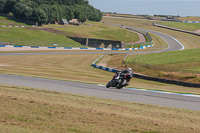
{"x": 179, "y": 43}
{"x": 182, "y": 94}
{"x": 100, "y": 85}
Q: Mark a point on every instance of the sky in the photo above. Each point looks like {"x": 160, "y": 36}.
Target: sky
{"x": 149, "y": 7}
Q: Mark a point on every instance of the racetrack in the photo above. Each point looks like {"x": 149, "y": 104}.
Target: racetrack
{"x": 169, "y": 100}
{"x": 147, "y": 97}
{"x": 173, "y": 44}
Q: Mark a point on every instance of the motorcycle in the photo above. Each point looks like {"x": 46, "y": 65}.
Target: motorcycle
{"x": 118, "y": 80}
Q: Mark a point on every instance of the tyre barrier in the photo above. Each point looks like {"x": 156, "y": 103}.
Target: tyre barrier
{"x": 168, "y": 81}
{"x": 77, "y": 48}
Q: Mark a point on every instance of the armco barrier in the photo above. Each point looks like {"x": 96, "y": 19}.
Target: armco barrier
{"x": 74, "y": 48}
{"x": 168, "y": 81}
{"x": 175, "y": 29}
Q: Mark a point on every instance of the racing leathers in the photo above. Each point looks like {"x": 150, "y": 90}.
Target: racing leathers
{"x": 129, "y": 74}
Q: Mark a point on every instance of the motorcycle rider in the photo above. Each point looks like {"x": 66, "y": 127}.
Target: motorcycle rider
{"x": 129, "y": 74}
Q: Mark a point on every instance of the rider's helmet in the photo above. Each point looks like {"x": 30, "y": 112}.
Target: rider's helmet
{"x": 129, "y": 69}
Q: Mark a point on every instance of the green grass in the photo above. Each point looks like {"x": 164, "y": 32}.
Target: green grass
{"x": 181, "y": 25}
{"x": 100, "y": 31}
{"x": 34, "y": 37}
{"x": 182, "y": 65}
{"x": 137, "y": 45}
{"x": 2, "y": 23}
{"x": 167, "y": 58}
{"x": 39, "y": 111}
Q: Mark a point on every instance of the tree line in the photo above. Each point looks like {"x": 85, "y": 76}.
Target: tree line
{"x": 49, "y": 11}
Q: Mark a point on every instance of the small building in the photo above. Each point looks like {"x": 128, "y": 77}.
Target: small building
{"x": 64, "y": 22}
{"x": 74, "y": 22}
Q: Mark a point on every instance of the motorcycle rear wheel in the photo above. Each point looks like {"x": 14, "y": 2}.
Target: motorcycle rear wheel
{"x": 108, "y": 85}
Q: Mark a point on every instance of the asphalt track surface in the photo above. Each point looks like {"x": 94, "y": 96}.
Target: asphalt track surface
{"x": 168, "y": 100}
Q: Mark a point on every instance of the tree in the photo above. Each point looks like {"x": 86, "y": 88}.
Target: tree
{"x": 48, "y": 11}
{"x": 2, "y": 5}
{"x": 9, "y": 6}
{"x": 39, "y": 16}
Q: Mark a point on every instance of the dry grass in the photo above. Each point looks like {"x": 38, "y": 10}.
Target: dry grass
{"x": 189, "y": 41}
{"x": 32, "y": 110}
{"x": 189, "y": 18}
{"x": 66, "y": 67}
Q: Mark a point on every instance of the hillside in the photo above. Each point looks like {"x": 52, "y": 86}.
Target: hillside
{"x": 99, "y": 31}
{"x": 47, "y": 35}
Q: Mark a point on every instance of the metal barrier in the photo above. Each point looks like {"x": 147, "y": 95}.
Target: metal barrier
{"x": 175, "y": 29}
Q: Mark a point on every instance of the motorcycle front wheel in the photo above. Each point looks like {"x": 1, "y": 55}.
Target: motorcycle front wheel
{"x": 119, "y": 86}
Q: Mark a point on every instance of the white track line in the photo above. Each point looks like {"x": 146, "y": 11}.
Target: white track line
{"x": 179, "y": 43}
{"x": 188, "y": 95}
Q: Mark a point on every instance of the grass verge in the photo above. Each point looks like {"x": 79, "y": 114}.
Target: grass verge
{"x": 32, "y": 110}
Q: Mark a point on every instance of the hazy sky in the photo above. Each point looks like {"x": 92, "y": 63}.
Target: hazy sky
{"x": 149, "y": 7}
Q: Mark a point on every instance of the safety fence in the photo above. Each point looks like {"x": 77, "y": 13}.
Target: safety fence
{"x": 140, "y": 76}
